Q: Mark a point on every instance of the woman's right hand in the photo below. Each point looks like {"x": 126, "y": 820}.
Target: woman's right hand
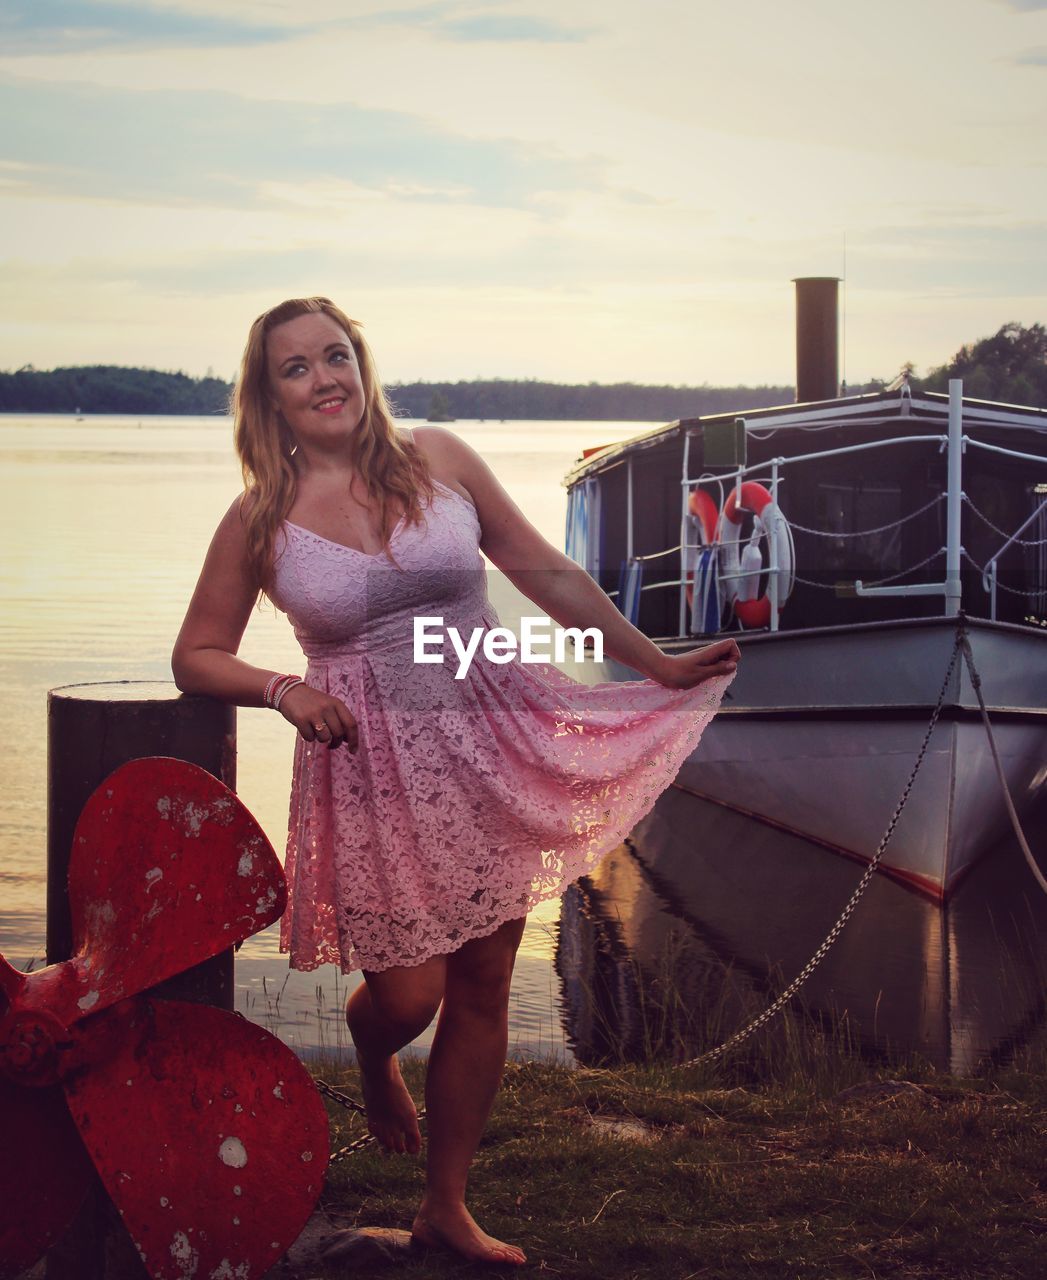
{"x": 320, "y": 717}
{"x": 685, "y": 670}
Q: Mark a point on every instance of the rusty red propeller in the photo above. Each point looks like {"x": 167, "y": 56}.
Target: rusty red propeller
{"x": 207, "y": 1132}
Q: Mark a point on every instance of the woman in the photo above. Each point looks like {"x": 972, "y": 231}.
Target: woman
{"x": 428, "y": 813}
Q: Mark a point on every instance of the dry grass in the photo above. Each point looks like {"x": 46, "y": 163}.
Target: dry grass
{"x": 942, "y": 1179}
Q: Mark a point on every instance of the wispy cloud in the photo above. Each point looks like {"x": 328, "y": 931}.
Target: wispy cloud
{"x": 457, "y": 22}
{"x": 511, "y": 27}
{"x": 74, "y": 26}
{"x": 559, "y": 184}
{"x": 218, "y": 149}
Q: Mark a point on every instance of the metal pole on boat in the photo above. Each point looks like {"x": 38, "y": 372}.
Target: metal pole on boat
{"x": 953, "y": 586}
{"x": 684, "y": 627}
{"x": 629, "y": 510}
{"x": 772, "y": 550}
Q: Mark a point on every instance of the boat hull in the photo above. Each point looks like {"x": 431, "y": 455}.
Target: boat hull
{"x": 734, "y": 910}
{"x": 822, "y": 728}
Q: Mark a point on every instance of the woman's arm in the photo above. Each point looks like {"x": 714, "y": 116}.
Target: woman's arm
{"x": 204, "y": 659}
{"x": 558, "y": 585}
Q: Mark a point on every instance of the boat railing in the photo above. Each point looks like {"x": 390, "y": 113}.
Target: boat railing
{"x": 954, "y": 443}
{"x": 689, "y": 483}
{"x": 989, "y": 572}
{"x": 777, "y": 464}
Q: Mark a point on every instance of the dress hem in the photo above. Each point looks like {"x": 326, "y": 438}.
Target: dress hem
{"x": 611, "y": 838}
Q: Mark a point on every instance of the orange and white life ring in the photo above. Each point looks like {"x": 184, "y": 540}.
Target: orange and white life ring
{"x": 703, "y": 508}
{"x": 769, "y": 520}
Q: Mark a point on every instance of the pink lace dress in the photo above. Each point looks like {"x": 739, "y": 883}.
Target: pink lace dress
{"x": 468, "y": 801}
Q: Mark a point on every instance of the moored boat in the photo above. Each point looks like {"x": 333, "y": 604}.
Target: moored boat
{"x": 845, "y": 543}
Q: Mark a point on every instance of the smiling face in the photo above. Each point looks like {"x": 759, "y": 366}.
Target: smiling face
{"x": 314, "y": 380}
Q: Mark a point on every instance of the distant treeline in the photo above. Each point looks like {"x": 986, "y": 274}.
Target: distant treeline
{"x": 106, "y": 388}
{"x": 1010, "y": 366}
{"x": 114, "y": 389}
{"x": 593, "y": 401}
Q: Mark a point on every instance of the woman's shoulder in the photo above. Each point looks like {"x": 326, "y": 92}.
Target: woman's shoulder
{"x": 439, "y": 446}
{"x": 444, "y": 454}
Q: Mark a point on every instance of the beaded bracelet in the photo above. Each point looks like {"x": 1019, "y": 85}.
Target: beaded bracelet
{"x": 284, "y": 682}
{"x": 267, "y": 696}
{"x": 281, "y": 683}
{"x": 288, "y": 684}
{"x": 276, "y": 687}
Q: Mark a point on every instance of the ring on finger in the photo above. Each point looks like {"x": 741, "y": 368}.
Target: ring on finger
{"x": 319, "y": 727}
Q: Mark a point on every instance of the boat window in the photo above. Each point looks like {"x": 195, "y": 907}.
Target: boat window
{"x": 849, "y": 507}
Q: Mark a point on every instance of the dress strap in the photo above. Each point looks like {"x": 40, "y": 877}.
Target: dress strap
{"x": 408, "y": 432}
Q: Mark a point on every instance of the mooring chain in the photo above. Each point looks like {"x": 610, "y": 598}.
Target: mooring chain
{"x": 845, "y": 915}
{"x": 961, "y": 645}
{"x": 343, "y": 1099}
{"x": 350, "y": 1104}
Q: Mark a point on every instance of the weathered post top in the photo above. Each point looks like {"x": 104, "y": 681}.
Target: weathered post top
{"x": 92, "y": 729}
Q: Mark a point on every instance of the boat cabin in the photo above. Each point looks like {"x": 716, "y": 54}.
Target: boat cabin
{"x": 846, "y": 491}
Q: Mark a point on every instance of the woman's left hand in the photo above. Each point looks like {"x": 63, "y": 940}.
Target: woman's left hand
{"x": 685, "y": 670}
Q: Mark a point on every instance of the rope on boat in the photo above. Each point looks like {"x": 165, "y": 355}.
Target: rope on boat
{"x": 655, "y": 555}
{"x": 1011, "y": 811}
{"x": 961, "y": 644}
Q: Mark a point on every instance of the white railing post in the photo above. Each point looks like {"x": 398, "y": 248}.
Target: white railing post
{"x": 953, "y": 585}
{"x": 772, "y": 548}
{"x": 685, "y": 628}
{"x": 629, "y": 510}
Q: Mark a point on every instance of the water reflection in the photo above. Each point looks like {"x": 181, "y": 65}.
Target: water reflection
{"x": 697, "y": 921}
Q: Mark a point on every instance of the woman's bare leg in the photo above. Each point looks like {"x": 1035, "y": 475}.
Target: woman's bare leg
{"x": 466, "y": 1062}
{"x": 386, "y": 1012}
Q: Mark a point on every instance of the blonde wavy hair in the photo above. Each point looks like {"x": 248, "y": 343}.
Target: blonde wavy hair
{"x": 392, "y": 467}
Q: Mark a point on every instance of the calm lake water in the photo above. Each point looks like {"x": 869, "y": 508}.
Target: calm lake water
{"x": 104, "y": 528}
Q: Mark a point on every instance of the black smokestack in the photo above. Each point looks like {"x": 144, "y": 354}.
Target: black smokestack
{"x": 817, "y": 340}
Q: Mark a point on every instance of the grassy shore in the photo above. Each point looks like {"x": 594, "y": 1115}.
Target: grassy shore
{"x": 654, "y": 1171}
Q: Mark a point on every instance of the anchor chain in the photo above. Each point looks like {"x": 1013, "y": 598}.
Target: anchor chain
{"x": 350, "y": 1104}
{"x": 960, "y": 645}
{"x": 845, "y": 915}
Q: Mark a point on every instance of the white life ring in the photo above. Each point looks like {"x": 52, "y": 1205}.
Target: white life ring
{"x": 770, "y": 521}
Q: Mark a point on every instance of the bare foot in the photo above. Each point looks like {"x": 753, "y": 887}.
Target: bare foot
{"x": 456, "y": 1229}
{"x": 391, "y": 1114}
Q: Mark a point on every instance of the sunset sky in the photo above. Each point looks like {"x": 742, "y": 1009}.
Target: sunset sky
{"x": 578, "y": 190}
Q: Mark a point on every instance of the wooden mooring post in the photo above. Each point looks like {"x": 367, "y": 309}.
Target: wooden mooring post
{"x": 92, "y": 729}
